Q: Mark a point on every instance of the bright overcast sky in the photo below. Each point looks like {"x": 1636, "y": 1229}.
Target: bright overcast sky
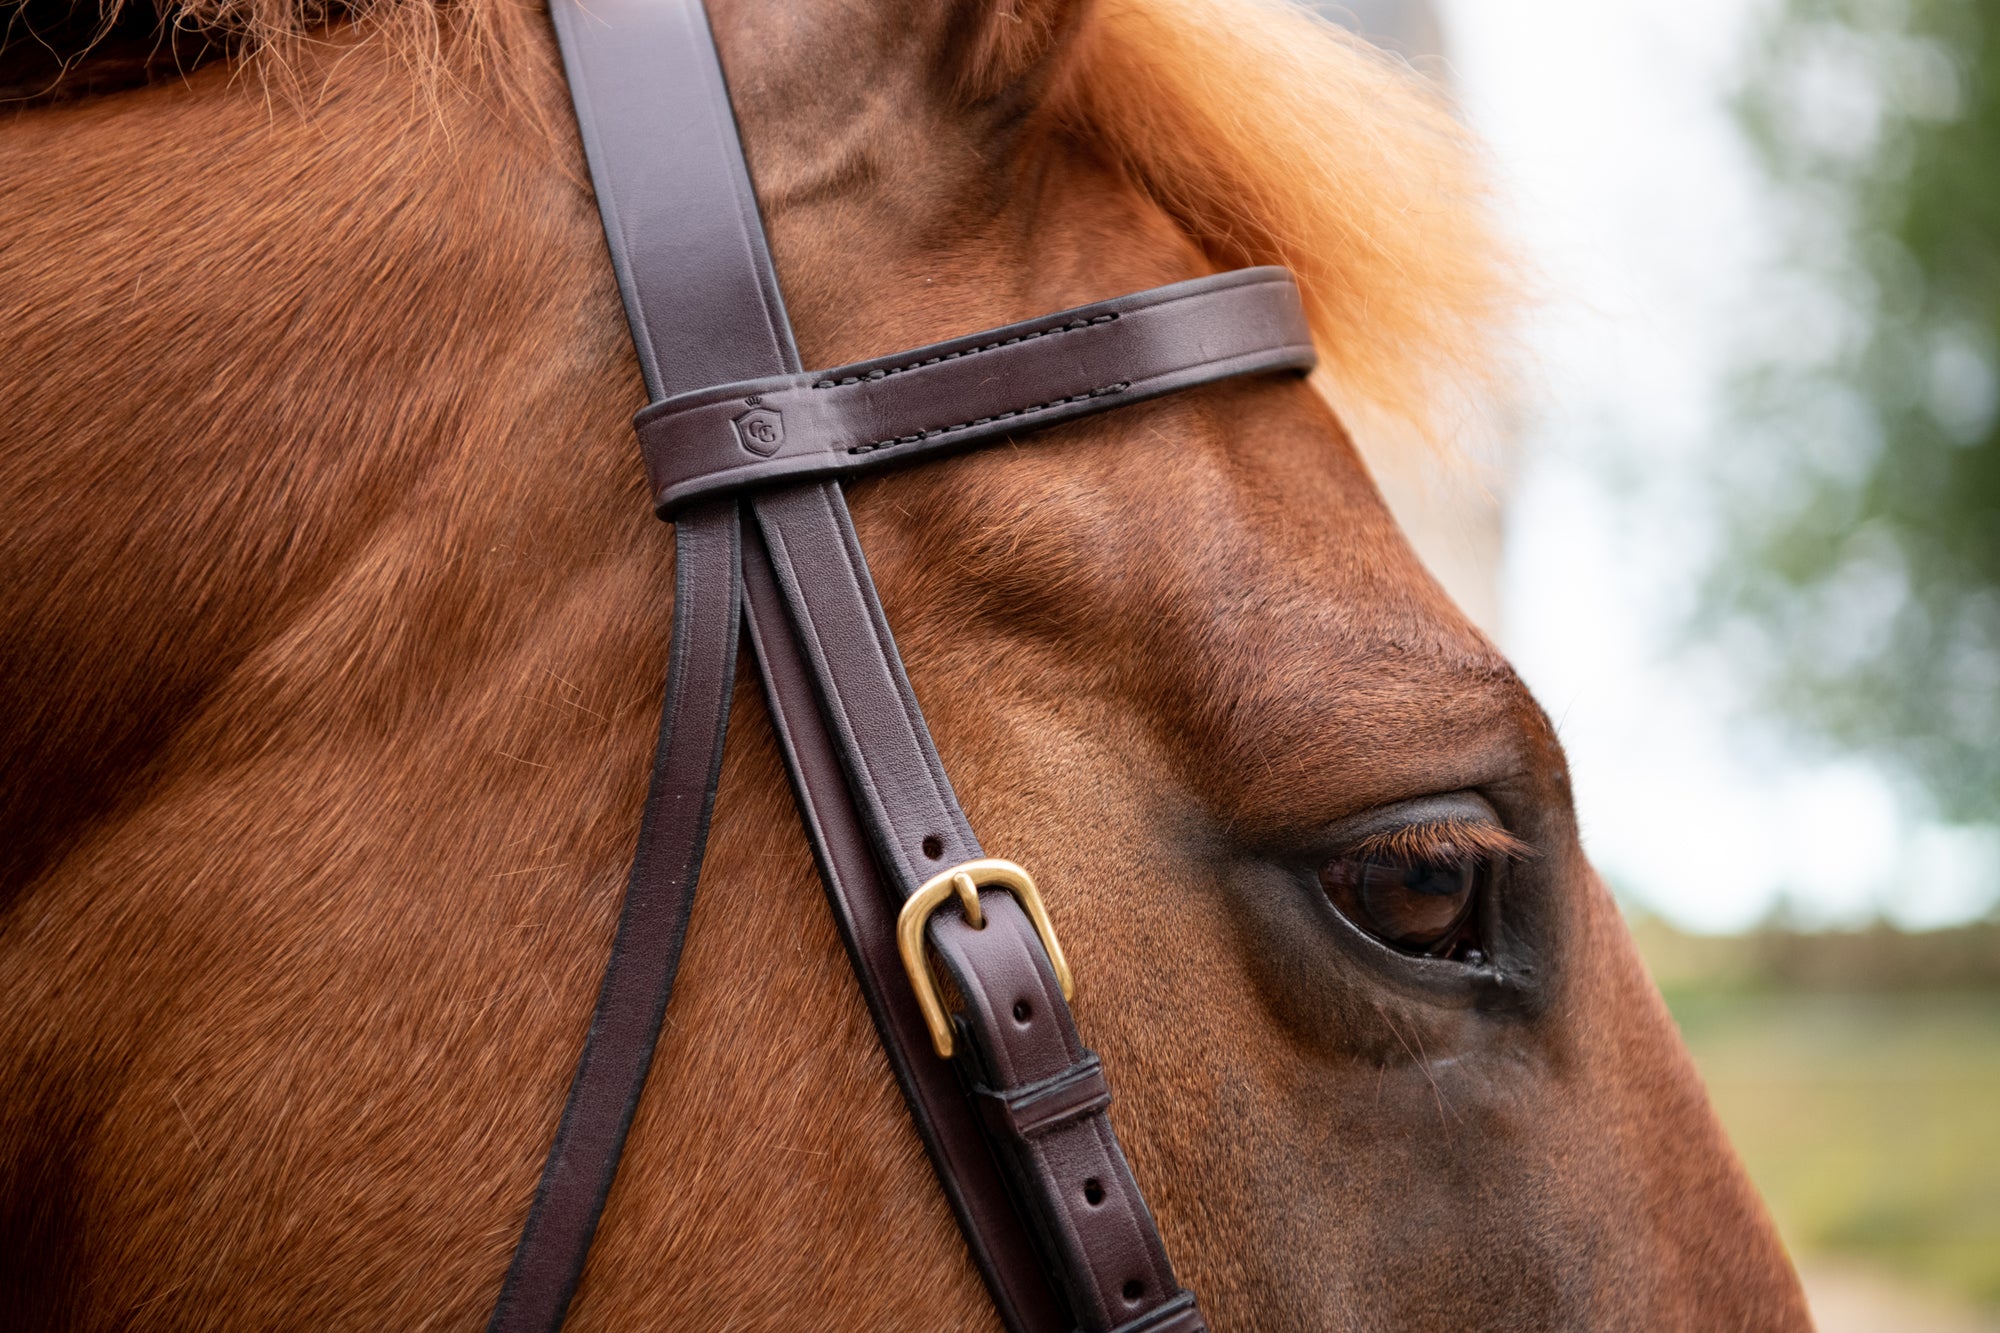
{"x": 1645, "y": 211}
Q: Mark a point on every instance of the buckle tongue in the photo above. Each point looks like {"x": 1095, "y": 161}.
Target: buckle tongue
{"x": 964, "y": 882}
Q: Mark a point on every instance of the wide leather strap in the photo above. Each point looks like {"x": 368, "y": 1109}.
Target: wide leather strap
{"x": 1018, "y": 1134}
{"x": 957, "y": 1133}
{"x": 865, "y": 911}
{"x": 969, "y": 391}
{"x": 1086, "y": 1215}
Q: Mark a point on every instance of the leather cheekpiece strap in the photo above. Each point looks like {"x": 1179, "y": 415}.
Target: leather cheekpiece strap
{"x": 968, "y": 391}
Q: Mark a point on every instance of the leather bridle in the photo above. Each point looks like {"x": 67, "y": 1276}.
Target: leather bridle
{"x": 745, "y": 452}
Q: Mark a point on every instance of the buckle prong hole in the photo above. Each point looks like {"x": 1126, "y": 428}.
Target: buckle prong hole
{"x": 1093, "y": 1191}
{"x": 934, "y": 847}
{"x": 1023, "y": 1011}
{"x": 1134, "y": 1289}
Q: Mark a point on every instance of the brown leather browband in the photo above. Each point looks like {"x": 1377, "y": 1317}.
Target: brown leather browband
{"x": 971, "y": 390}
{"x": 745, "y": 450}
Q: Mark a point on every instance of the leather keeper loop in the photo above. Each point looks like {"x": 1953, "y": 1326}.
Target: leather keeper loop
{"x": 1176, "y": 1316}
{"x": 971, "y": 390}
{"x": 1035, "y": 1109}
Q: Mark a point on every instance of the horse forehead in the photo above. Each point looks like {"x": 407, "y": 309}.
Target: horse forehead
{"x": 1251, "y": 591}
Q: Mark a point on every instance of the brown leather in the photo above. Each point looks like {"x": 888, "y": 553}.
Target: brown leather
{"x": 969, "y": 391}
{"x": 1033, "y": 1109}
{"x": 892, "y": 769}
{"x": 639, "y": 977}
{"x": 688, "y": 182}
{"x": 1102, "y": 1241}
{"x": 651, "y": 65}
{"x": 1106, "y": 1256}
{"x": 954, "y": 1136}
{"x": 672, "y": 188}
{"x": 1024, "y": 1150}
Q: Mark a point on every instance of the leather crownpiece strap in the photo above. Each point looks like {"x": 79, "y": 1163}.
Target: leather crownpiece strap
{"x": 968, "y": 391}
{"x": 1017, "y": 1129}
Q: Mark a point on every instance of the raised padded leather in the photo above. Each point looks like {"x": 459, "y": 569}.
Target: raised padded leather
{"x": 680, "y": 216}
{"x": 968, "y": 391}
{"x": 1095, "y": 1252}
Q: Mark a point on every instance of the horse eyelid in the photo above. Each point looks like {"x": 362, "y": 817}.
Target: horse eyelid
{"x": 1446, "y": 841}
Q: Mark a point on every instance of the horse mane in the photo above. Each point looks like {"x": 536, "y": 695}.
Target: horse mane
{"x": 1270, "y": 134}
{"x": 1275, "y": 137}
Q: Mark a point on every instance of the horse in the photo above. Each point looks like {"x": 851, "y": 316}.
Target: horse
{"x": 335, "y": 627}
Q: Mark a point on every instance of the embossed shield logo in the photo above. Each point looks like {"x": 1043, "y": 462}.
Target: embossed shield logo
{"x": 761, "y": 431}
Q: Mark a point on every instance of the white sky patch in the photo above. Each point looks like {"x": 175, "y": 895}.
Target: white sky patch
{"x": 1637, "y": 195}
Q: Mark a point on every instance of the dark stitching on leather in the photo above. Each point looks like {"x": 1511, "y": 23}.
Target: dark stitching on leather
{"x": 885, "y": 372}
{"x": 933, "y": 432}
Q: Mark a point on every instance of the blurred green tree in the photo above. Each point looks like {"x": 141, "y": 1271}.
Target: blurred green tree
{"x": 1861, "y": 566}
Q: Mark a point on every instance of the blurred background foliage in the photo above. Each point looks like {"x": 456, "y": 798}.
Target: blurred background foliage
{"x": 1859, "y": 580}
{"x": 1862, "y": 575}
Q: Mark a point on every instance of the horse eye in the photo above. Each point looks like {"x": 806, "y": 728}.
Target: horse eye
{"x": 1418, "y": 908}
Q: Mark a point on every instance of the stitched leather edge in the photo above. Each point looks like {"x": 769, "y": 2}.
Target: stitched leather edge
{"x": 920, "y": 404}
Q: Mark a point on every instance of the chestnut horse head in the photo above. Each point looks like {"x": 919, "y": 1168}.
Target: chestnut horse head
{"x": 335, "y": 621}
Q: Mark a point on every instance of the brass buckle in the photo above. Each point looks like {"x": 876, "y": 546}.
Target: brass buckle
{"x": 965, "y": 881}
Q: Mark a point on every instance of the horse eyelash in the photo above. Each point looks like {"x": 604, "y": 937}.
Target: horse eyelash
{"x": 1442, "y": 842}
